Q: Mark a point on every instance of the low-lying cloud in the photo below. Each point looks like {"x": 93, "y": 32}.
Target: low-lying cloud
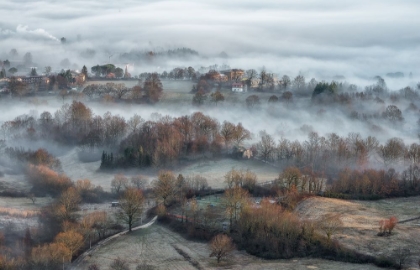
{"x": 350, "y": 38}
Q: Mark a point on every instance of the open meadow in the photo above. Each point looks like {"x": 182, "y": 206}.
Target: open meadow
{"x": 361, "y": 223}
{"x": 159, "y": 247}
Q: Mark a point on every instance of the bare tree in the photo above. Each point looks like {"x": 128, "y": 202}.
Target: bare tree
{"x": 241, "y": 134}
{"x": 266, "y": 146}
{"x": 221, "y": 246}
{"x": 330, "y": 224}
{"x": 138, "y": 181}
{"x": 119, "y": 183}
{"x": 401, "y": 255}
{"x": 251, "y": 74}
{"x": 392, "y": 151}
{"x": 299, "y": 83}
{"x": 31, "y": 197}
{"x": 69, "y": 203}
{"x": 131, "y": 206}
{"x": 120, "y": 90}
{"x": 135, "y": 122}
{"x": 285, "y": 82}
{"x": 164, "y": 187}
{"x": 227, "y": 131}
{"x": 235, "y": 200}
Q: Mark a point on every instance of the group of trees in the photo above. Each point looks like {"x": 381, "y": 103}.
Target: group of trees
{"x": 371, "y": 183}
{"x": 150, "y": 92}
{"x": 331, "y": 152}
{"x": 108, "y": 70}
{"x": 63, "y": 233}
{"x": 170, "y": 189}
{"x": 266, "y": 229}
{"x": 74, "y": 124}
{"x": 179, "y": 73}
{"x": 201, "y": 96}
{"x": 169, "y": 139}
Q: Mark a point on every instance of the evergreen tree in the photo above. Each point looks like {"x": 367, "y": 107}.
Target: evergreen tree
{"x": 85, "y": 72}
{"x": 33, "y": 72}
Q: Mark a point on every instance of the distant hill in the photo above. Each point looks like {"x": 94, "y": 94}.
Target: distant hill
{"x": 395, "y": 75}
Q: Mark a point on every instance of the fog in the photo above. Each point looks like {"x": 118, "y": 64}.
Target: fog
{"x": 316, "y": 38}
{"x": 291, "y": 121}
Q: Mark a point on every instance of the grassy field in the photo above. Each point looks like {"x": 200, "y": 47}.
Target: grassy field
{"x": 212, "y": 169}
{"x": 361, "y": 223}
{"x": 160, "y": 247}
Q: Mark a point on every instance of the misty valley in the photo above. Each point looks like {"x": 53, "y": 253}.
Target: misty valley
{"x": 140, "y": 135}
{"x": 211, "y": 155}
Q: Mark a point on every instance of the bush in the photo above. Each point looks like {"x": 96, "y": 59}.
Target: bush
{"x": 384, "y": 262}
{"x": 119, "y": 264}
{"x": 386, "y": 226}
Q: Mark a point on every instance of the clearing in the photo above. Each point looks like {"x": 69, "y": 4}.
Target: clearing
{"x": 361, "y": 223}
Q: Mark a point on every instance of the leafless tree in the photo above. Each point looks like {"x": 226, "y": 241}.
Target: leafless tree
{"x": 401, "y": 255}
{"x": 139, "y": 181}
{"x": 266, "y": 146}
{"x": 164, "y": 186}
{"x": 131, "y": 206}
{"x": 119, "y": 183}
{"x": 221, "y": 246}
{"x": 330, "y": 224}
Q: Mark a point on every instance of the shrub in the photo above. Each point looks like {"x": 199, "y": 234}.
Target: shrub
{"x": 119, "y": 264}
{"x": 386, "y": 226}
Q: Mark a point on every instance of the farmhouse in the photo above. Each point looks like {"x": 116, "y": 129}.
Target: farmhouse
{"x": 238, "y": 87}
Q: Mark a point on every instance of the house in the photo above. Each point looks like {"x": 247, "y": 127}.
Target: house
{"x": 78, "y": 77}
{"x": 35, "y": 83}
{"x": 215, "y": 76}
{"x": 239, "y": 87}
{"x": 233, "y": 74}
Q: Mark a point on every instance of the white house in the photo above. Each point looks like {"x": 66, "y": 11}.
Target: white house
{"x": 238, "y": 87}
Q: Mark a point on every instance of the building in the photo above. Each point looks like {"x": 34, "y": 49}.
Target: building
{"x": 239, "y": 87}
{"x": 35, "y": 83}
{"x": 216, "y": 76}
{"x": 233, "y": 74}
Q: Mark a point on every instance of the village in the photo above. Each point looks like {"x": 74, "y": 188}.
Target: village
{"x": 27, "y": 80}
